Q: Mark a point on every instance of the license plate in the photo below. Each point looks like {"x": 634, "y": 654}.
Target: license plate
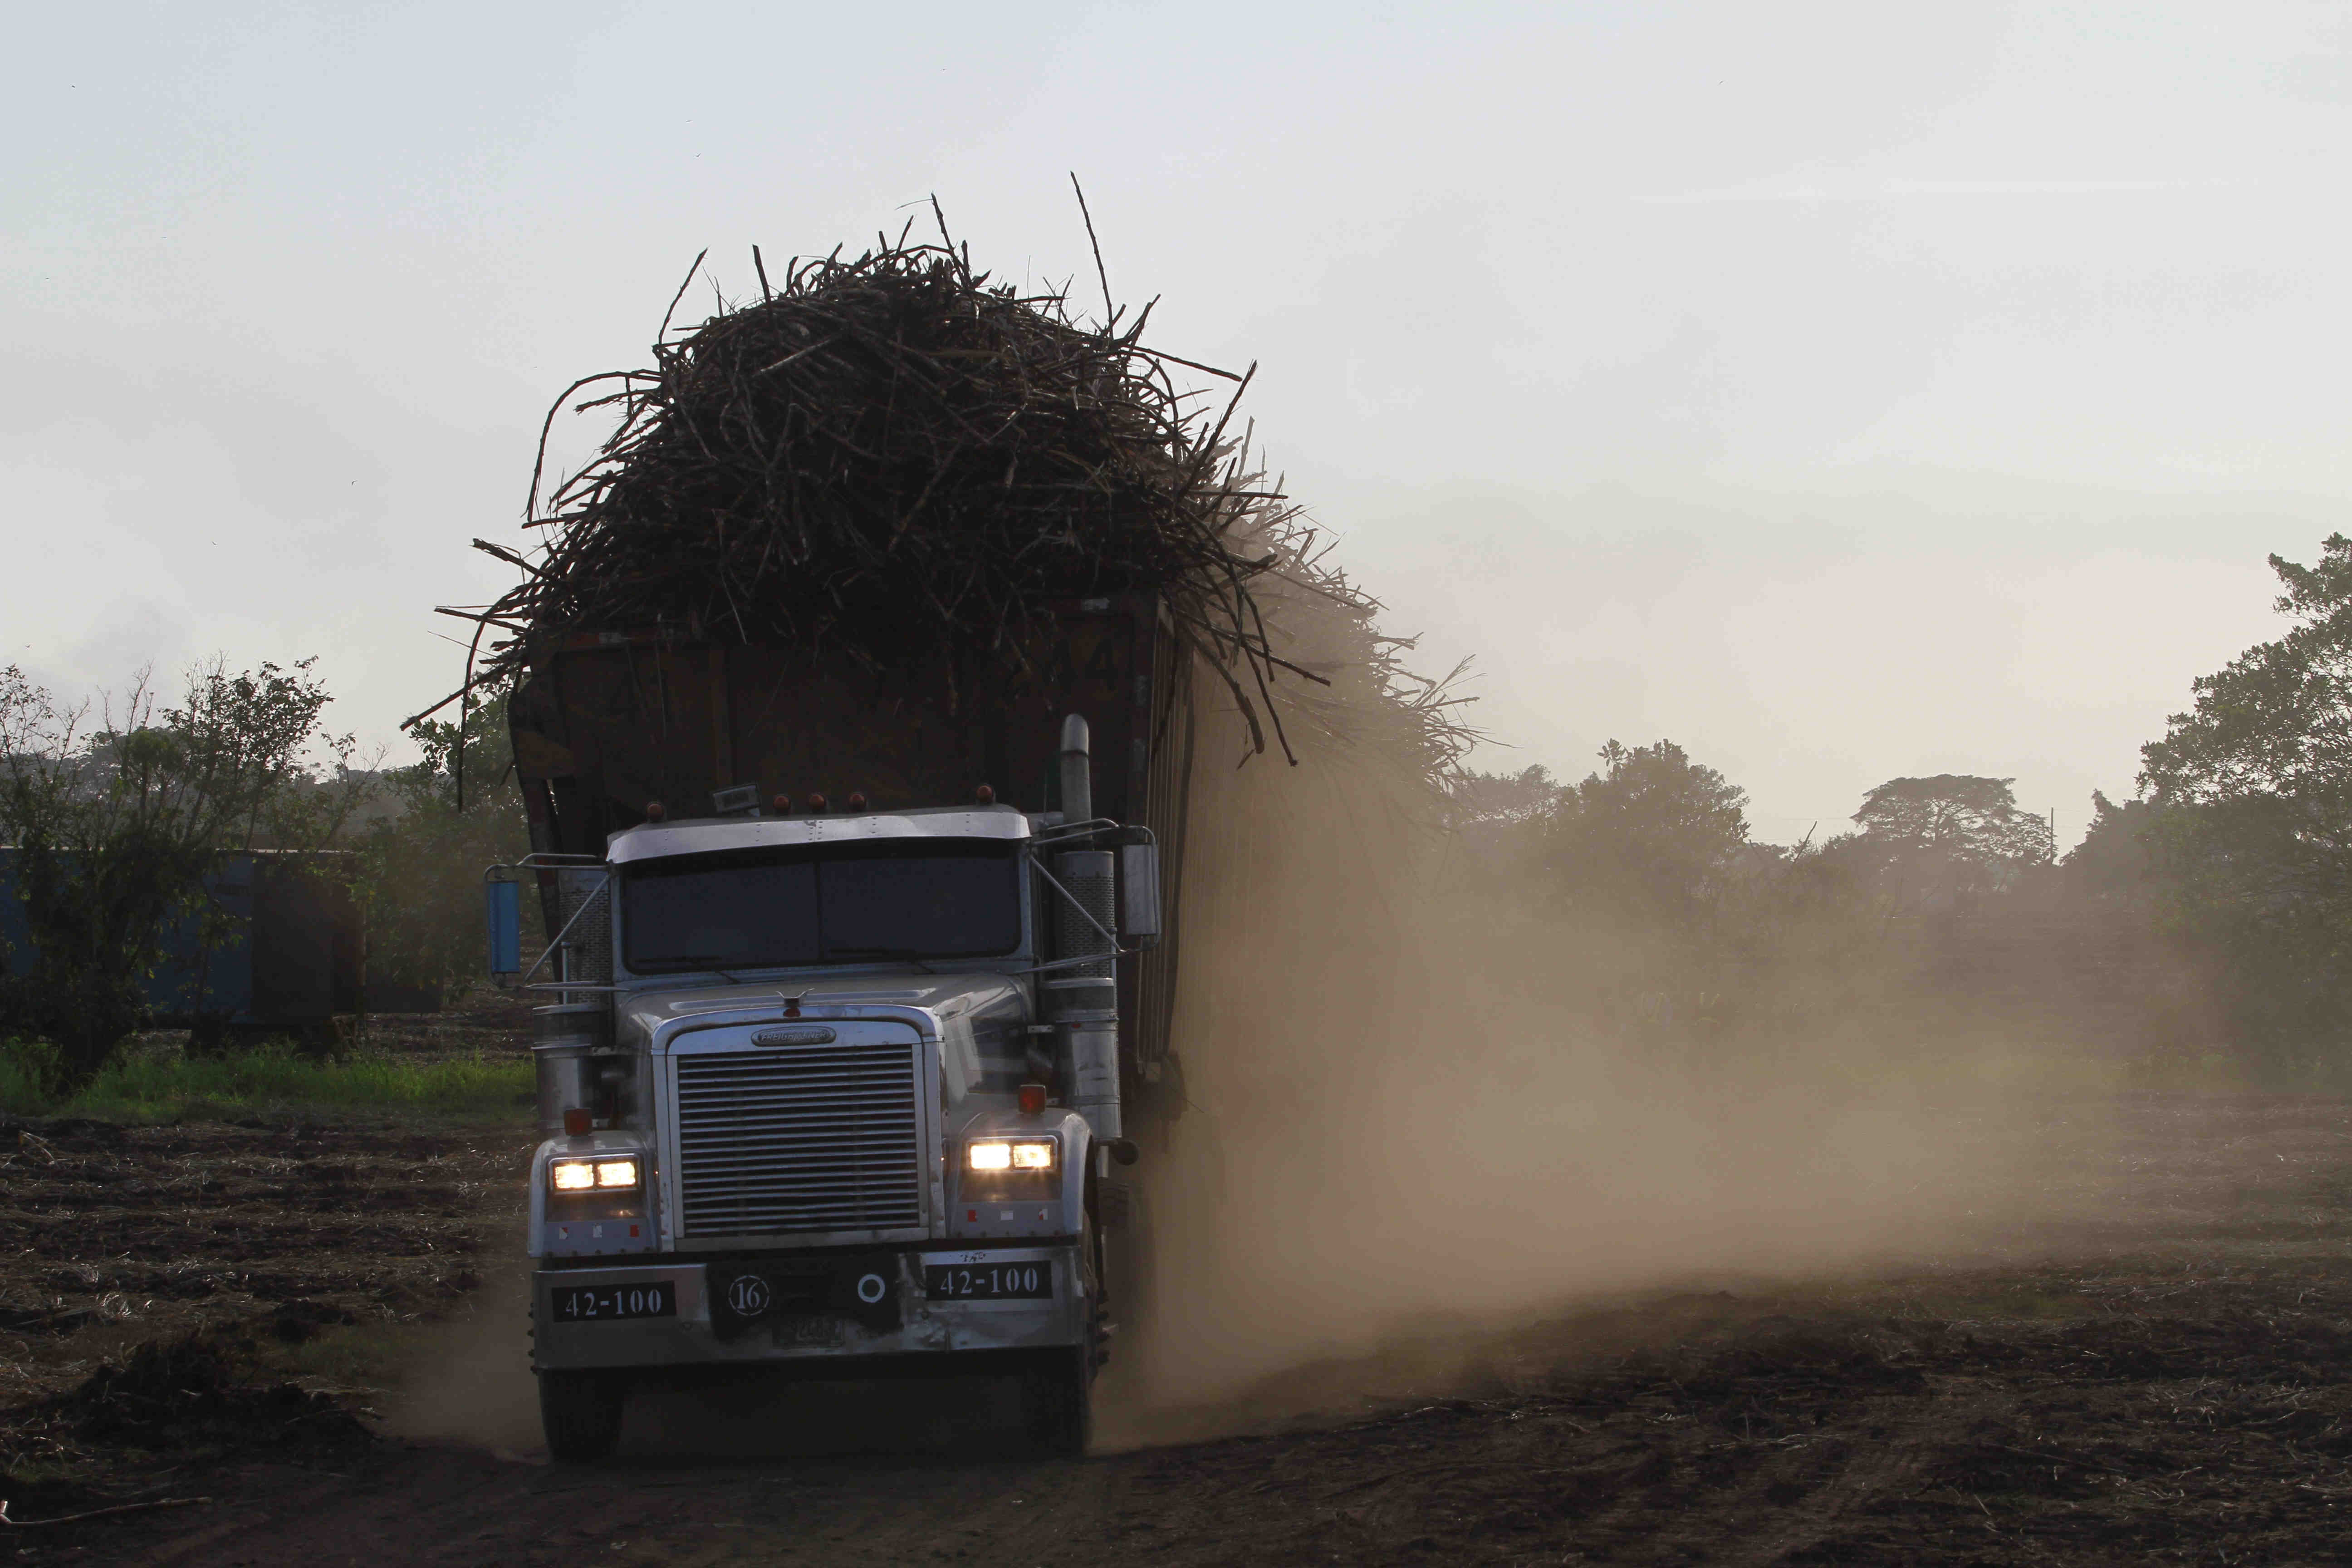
{"x": 806, "y": 1330}
{"x": 613, "y": 1303}
{"x": 1030, "y": 1280}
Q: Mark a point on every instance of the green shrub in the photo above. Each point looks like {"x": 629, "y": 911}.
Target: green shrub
{"x": 272, "y": 1080}
{"x": 30, "y": 1071}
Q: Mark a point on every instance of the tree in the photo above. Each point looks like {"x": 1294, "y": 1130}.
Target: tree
{"x": 1926, "y": 840}
{"x": 1652, "y": 836}
{"x": 421, "y": 867}
{"x": 2248, "y": 820}
{"x": 1688, "y": 930}
{"x": 1957, "y": 814}
{"x": 2115, "y": 862}
{"x": 1530, "y": 794}
{"x": 114, "y": 825}
{"x": 2278, "y": 722}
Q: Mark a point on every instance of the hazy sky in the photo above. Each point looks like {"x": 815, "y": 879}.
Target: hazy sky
{"x": 1842, "y": 391}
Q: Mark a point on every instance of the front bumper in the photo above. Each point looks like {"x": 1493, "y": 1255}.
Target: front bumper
{"x": 775, "y": 1307}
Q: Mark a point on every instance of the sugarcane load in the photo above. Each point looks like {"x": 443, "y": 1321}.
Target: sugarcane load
{"x": 853, "y": 686}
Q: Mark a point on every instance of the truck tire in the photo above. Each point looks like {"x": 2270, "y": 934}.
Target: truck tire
{"x": 1057, "y": 1404}
{"x": 581, "y": 1413}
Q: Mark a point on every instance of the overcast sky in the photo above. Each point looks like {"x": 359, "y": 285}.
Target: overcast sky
{"x": 1840, "y": 391}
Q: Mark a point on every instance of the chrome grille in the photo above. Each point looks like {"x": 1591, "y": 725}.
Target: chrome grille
{"x": 799, "y": 1138}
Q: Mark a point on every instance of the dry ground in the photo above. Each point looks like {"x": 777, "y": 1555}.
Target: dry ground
{"x": 2170, "y": 1382}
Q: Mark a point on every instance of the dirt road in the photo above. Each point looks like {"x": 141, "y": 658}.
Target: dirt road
{"x": 2169, "y": 1381}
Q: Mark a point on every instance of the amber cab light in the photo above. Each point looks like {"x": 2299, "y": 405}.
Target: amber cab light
{"x": 656, "y": 811}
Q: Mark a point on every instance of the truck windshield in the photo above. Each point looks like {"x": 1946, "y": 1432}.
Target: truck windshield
{"x": 838, "y": 904}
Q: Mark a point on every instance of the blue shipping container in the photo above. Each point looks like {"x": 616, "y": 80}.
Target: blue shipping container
{"x": 288, "y": 952}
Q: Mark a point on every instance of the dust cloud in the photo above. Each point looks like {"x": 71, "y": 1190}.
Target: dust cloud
{"x": 1393, "y": 1134}
{"x": 1393, "y": 1129}
{"x": 474, "y": 1383}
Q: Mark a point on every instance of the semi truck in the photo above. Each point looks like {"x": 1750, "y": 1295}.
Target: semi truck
{"x": 858, "y": 973}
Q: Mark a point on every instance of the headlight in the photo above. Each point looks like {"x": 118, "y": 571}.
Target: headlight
{"x": 580, "y": 1175}
{"x": 1002, "y": 1155}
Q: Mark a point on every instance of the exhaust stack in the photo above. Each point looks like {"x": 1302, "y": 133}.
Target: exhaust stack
{"x": 1083, "y": 997}
{"x": 1078, "y": 770}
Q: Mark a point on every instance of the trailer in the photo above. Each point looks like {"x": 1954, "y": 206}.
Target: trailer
{"x": 860, "y": 973}
{"x": 275, "y": 945}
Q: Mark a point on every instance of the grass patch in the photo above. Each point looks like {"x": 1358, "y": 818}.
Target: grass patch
{"x": 272, "y": 1080}
{"x": 369, "y": 1357}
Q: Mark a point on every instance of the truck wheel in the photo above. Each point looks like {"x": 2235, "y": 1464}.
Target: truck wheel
{"x": 581, "y": 1413}
{"x": 1057, "y": 1404}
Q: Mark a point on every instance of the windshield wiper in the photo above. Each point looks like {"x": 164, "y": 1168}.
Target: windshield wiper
{"x": 913, "y": 955}
{"x": 703, "y": 959}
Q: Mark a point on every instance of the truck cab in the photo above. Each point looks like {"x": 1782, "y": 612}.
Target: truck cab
{"x": 831, "y": 1091}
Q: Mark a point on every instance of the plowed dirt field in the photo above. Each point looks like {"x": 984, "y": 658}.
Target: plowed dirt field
{"x": 2163, "y": 1374}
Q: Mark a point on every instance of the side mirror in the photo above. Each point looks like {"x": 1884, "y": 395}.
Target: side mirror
{"x": 505, "y": 905}
{"x": 1139, "y": 893}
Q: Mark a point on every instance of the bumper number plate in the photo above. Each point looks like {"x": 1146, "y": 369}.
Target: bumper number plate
{"x": 612, "y": 1303}
{"x": 1031, "y": 1280}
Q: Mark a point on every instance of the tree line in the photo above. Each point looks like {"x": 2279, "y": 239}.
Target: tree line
{"x": 114, "y": 815}
{"x": 1678, "y": 921}
{"x": 2232, "y": 856}
{"x": 1659, "y": 911}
